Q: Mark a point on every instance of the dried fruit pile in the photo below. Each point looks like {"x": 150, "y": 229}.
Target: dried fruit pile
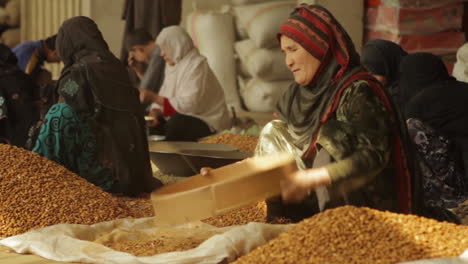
{"x": 36, "y": 192}
{"x": 361, "y": 235}
{"x": 137, "y": 207}
{"x": 246, "y": 143}
{"x": 142, "y": 248}
{"x": 253, "y": 213}
{"x": 162, "y": 241}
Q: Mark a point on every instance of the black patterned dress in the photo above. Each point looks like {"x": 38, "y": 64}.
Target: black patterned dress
{"x": 440, "y": 165}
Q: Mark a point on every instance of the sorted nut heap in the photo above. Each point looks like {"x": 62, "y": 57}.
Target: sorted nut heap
{"x": 36, "y": 192}
{"x": 162, "y": 241}
{"x": 137, "y": 207}
{"x": 157, "y": 246}
{"x": 253, "y": 213}
{"x": 245, "y": 143}
{"x": 361, "y": 235}
{"x": 143, "y": 248}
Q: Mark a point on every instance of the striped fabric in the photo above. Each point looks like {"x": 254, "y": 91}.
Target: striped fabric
{"x": 315, "y": 29}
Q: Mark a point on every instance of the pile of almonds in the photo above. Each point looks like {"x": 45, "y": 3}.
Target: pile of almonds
{"x": 137, "y": 207}
{"x": 36, "y": 192}
{"x": 361, "y": 235}
{"x": 162, "y": 241}
{"x": 143, "y": 248}
{"x": 242, "y": 216}
{"x": 253, "y": 213}
{"x": 245, "y": 143}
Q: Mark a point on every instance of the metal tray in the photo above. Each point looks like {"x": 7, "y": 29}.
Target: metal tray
{"x": 187, "y": 158}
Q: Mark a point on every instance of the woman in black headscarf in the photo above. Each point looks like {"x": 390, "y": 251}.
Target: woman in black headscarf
{"x": 437, "y": 118}
{"x": 18, "y": 100}
{"x": 97, "y": 129}
{"x": 382, "y": 59}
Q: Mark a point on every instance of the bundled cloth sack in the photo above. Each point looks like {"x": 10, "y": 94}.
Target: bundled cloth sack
{"x": 262, "y": 96}
{"x": 242, "y": 69}
{"x": 260, "y": 22}
{"x": 13, "y": 8}
{"x": 214, "y": 35}
{"x": 419, "y": 3}
{"x": 11, "y": 37}
{"x": 3, "y": 16}
{"x": 11, "y": 17}
{"x": 460, "y": 70}
{"x": 437, "y": 43}
{"x": 410, "y": 20}
{"x": 265, "y": 64}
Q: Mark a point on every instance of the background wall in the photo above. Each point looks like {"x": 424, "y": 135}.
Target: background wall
{"x": 42, "y": 18}
{"x": 107, "y": 14}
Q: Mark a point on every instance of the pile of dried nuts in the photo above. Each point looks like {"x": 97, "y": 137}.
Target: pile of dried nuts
{"x": 143, "y": 248}
{"x": 361, "y": 235}
{"x": 36, "y": 192}
{"x": 253, "y": 213}
{"x": 245, "y": 143}
{"x": 137, "y": 207}
{"x": 162, "y": 241}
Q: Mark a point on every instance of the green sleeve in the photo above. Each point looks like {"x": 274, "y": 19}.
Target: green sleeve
{"x": 358, "y": 139}
{"x": 74, "y": 90}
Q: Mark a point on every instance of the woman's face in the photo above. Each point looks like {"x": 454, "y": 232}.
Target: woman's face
{"x": 167, "y": 59}
{"x": 300, "y": 62}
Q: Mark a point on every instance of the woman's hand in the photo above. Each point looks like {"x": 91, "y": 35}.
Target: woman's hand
{"x": 298, "y": 185}
{"x": 205, "y": 171}
{"x": 147, "y": 96}
{"x": 275, "y": 116}
{"x": 154, "y": 113}
{"x": 137, "y": 66}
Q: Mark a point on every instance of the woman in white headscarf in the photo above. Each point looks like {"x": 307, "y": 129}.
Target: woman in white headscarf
{"x": 460, "y": 70}
{"x": 191, "y": 99}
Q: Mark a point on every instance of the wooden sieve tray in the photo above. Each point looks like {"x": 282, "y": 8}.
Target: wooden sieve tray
{"x": 226, "y": 188}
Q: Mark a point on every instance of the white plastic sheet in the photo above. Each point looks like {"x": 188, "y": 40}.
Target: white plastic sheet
{"x": 73, "y": 243}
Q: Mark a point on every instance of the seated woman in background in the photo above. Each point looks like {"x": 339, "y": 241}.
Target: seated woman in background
{"x": 337, "y": 119}
{"x": 460, "y": 69}
{"x": 19, "y": 100}
{"x": 437, "y": 117}
{"x": 382, "y": 59}
{"x": 191, "y": 98}
{"x": 97, "y": 129}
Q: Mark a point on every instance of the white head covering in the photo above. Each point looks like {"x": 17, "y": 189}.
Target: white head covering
{"x": 460, "y": 70}
{"x": 190, "y": 85}
{"x": 176, "y": 42}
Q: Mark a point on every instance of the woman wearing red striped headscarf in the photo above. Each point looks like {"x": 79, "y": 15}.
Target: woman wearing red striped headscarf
{"x": 337, "y": 121}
